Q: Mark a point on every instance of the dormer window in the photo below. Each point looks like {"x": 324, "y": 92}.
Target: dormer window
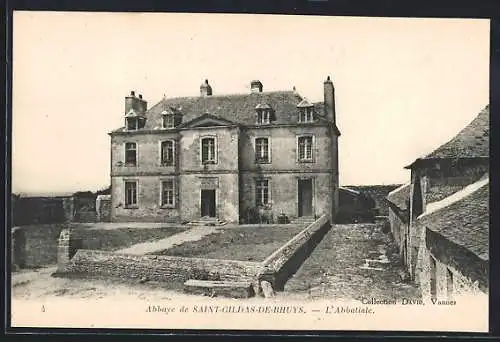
{"x": 306, "y": 111}
{"x": 168, "y": 121}
{"x": 306, "y": 115}
{"x": 133, "y": 121}
{"x": 264, "y": 114}
{"x": 263, "y": 117}
{"x": 131, "y": 124}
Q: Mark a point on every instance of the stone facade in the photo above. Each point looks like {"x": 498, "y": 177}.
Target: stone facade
{"x": 227, "y": 185}
{"x": 443, "y": 279}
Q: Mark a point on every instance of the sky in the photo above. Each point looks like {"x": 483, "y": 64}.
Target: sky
{"x": 403, "y": 86}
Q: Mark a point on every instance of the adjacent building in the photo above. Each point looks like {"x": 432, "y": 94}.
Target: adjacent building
{"x": 224, "y": 157}
{"x": 398, "y": 202}
{"x": 355, "y": 207}
{"x": 441, "y": 219}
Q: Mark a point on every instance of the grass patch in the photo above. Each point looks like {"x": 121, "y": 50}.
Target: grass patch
{"x": 253, "y": 243}
{"x": 41, "y": 239}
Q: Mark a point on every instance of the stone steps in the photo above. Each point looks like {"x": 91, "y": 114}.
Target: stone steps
{"x": 207, "y": 222}
{"x": 217, "y": 288}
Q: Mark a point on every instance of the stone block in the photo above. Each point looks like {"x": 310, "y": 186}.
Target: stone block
{"x": 231, "y": 289}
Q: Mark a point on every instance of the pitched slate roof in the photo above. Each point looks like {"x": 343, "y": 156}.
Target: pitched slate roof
{"x": 400, "y": 196}
{"x": 441, "y": 191}
{"x": 238, "y": 108}
{"x": 472, "y": 141}
{"x": 464, "y": 220}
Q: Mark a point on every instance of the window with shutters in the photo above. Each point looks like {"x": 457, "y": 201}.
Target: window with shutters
{"x": 262, "y": 193}
{"x": 305, "y": 149}
{"x": 168, "y": 193}
{"x": 167, "y": 153}
{"x": 130, "y": 154}
{"x": 262, "y": 150}
{"x": 130, "y": 194}
{"x": 208, "y": 150}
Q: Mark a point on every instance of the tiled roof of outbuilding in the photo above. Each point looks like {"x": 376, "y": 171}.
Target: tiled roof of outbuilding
{"x": 438, "y": 192}
{"x": 464, "y": 222}
{"x": 470, "y": 142}
{"x": 400, "y": 196}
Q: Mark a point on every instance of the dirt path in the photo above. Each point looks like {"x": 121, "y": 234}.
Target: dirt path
{"x": 351, "y": 262}
{"x": 193, "y": 234}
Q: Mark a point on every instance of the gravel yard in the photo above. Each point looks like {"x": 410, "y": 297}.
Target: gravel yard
{"x": 351, "y": 262}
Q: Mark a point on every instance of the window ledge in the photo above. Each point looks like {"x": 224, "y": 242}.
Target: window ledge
{"x": 306, "y": 161}
{"x": 264, "y": 207}
{"x": 209, "y": 162}
{"x": 262, "y": 162}
{"x": 131, "y": 207}
{"x": 167, "y": 206}
{"x": 167, "y": 165}
{"x": 129, "y": 165}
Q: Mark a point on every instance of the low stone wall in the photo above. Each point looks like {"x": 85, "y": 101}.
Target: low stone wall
{"x": 276, "y": 269}
{"x": 158, "y": 267}
{"x": 18, "y": 245}
{"x": 283, "y": 263}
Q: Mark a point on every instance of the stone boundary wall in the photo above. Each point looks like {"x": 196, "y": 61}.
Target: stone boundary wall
{"x": 285, "y": 261}
{"x": 158, "y": 267}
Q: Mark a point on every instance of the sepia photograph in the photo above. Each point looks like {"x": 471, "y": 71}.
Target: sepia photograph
{"x": 249, "y": 172}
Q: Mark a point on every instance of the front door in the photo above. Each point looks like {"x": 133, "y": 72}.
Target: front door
{"x": 305, "y": 197}
{"x": 207, "y": 203}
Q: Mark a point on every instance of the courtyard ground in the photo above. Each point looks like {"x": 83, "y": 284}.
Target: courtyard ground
{"x": 352, "y": 261}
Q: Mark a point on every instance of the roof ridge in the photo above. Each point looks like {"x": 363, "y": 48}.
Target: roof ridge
{"x": 229, "y": 94}
{"x": 399, "y": 188}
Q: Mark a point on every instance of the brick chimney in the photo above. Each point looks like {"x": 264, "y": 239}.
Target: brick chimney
{"x": 329, "y": 99}
{"x": 256, "y": 86}
{"x": 138, "y": 104}
{"x": 205, "y": 89}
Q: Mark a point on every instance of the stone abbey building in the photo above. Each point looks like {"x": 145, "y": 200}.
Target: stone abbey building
{"x": 219, "y": 157}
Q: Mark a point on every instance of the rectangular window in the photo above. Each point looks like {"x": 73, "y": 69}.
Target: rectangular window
{"x": 263, "y": 117}
{"x": 208, "y": 150}
{"x": 262, "y": 150}
{"x": 305, "y": 148}
{"x": 130, "y": 193}
{"x": 130, "y": 154}
{"x": 168, "y": 121}
{"x": 167, "y": 153}
{"x": 261, "y": 192}
{"x": 167, "y": 193}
